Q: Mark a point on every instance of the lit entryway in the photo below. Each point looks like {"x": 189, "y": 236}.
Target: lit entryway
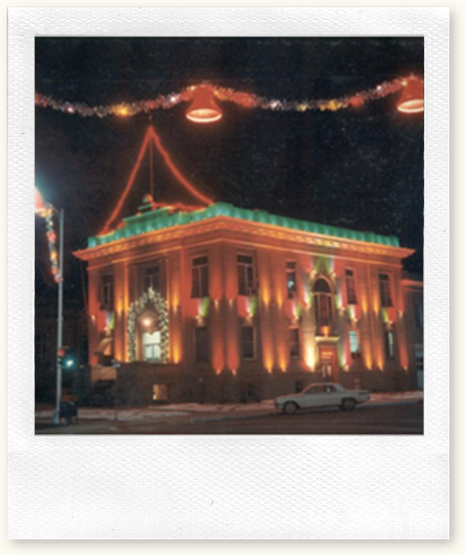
{"x": 151, "y": 343}
{"x": 159, "y": 392}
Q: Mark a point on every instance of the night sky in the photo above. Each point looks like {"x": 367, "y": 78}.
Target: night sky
{"x": 357, "y": 168}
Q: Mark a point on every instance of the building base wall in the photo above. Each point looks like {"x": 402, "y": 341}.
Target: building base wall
{"x": 145, "y": 383}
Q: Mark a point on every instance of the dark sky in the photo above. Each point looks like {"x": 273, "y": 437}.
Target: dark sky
{"x": 359, "y": 168}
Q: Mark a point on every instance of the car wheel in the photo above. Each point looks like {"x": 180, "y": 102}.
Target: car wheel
{"x": 348, "y": 404}
{"x": 290, "y": 408}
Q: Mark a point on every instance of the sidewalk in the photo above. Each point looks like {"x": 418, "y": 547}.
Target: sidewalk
{"x": 196, "y": 412}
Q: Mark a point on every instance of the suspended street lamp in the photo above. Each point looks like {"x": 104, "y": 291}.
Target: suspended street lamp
{"x": 204, "y": 108}
{"x": 412, "y": 98}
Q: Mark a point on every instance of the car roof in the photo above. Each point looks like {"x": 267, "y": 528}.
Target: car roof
{"x": 335, "y": 384}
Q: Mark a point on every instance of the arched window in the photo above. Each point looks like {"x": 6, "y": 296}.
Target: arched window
{"x": 324, "y": 312}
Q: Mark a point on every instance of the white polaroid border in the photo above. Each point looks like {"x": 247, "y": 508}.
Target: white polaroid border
{"x": 225, "y": 487}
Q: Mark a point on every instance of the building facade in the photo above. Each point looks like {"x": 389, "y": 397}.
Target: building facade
{"x": 220, "y": 303}
{"x": 412, "y": 286}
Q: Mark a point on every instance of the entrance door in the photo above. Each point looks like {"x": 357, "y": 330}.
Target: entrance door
{"x": 328, "y": 362}
{"x": 151, "y": 344}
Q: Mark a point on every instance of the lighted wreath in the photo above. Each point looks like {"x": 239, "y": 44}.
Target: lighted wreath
{"x": 154, "y": 299}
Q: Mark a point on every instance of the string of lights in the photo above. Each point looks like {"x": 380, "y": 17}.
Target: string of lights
{"x": 412, "y": 85}
{"x": 45, "y": 210}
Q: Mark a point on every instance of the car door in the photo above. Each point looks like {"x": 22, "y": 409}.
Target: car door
{"x": 314, "y": 397}
{"x": 333, "y": 397}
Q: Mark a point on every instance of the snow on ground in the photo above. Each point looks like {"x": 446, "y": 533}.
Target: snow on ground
{"x": 109, "y": 414}
{"x": 397, "y": 396}
{"x": 265, "y": 405}
{"x": 186, "y": 409}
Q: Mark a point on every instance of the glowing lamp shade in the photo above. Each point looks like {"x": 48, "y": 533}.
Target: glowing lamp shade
{"x": 412, "y": 98}
{"x": 204, "y": 108}
{"x": 39, "y": 204}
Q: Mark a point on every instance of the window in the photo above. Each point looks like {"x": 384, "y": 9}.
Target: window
{"x": 245, "y": 273}
{"x": 354, "y": 345}
{"x": 418, "y": 314}
{"x": 151, "y": 340}
{"x": 299, "y": 385}
{"x": 248, "y": 342}
{"x": 389, "y": 344}
{"x": 294, "y": 349}
{"x": 291, "y": 282}
{"x": 107, "y": 292}
{"x": 323, "y": 303}
{"x": 200, "y": 286}
{"x": 160, "y": 392}
{"x": 316, "y": 389}
{"x": 350, "y": 287}
{"x": 152, "y": 278}
{"x": 201, "y": 344}
{"x": 385, "y": 290}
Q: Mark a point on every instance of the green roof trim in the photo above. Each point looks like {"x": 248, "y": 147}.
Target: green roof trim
{"x": 160, "y": 218}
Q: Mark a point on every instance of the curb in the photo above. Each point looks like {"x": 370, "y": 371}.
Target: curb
{"x": 277, "y": 412}
{"x": 212, "y": 417}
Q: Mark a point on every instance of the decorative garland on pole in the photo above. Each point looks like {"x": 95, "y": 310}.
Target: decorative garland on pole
{"x": 45, "y": 210}
{"x": 155, "y": 299}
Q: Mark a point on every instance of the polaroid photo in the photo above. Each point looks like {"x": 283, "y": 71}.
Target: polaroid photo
{"x": 225, "y": 315}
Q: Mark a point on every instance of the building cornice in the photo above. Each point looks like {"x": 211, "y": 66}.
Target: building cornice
{"x": 234, "y": 225}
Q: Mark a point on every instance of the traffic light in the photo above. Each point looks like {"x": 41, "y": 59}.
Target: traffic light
{"x": 66, "y": 357}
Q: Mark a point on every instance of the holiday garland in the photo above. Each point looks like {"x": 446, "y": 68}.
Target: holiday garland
{"x": 45, "y": 210}
{"x": 244, "y": 99}
{"x": 52, "y": 241}
{"x": 149, "y": 298}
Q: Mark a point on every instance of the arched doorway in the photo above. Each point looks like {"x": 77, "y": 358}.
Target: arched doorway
{"x": 148, "y": 331}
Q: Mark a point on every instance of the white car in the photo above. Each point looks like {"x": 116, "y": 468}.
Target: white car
{"x": 321, "y": 395}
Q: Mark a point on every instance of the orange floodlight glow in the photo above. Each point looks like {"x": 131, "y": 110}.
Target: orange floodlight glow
{"x": 204, "y": 108}
{"x": 412, "y": 98}
{"x": 218, "y": 355}
{"x": 309, "y": 354}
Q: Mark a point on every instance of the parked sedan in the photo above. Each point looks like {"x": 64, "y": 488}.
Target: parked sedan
{"x": 321, "y": 395}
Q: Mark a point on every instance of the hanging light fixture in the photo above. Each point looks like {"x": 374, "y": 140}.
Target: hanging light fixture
{"x": 412, "y": 98}
{"x": 204, "y": 108}
{"x": 40, "y": 208}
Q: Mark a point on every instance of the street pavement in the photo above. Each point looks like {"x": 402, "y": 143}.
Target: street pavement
{"x": 395, "y": 413}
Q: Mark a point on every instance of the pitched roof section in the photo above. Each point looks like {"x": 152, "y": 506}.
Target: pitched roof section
{"x": 162, "y": 218}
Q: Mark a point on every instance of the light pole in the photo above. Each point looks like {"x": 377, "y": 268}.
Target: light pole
{"x": 44, "y": 209}
{"x": 56, "y": 413}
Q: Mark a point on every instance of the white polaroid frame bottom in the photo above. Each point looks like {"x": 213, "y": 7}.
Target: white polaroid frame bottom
{"x": 219, "y": 487}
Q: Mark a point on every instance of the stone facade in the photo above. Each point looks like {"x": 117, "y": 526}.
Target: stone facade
{"x": 244, "y": 304}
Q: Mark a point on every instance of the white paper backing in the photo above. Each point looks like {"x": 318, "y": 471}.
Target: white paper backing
{"x": 220, "y": 487}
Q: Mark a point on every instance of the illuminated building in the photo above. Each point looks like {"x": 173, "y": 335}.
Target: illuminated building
{"x": 413, "y": 298}
{"x": 207, "y": 304}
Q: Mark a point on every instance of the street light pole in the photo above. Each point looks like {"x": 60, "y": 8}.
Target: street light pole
{"x": 56, "y": 413}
